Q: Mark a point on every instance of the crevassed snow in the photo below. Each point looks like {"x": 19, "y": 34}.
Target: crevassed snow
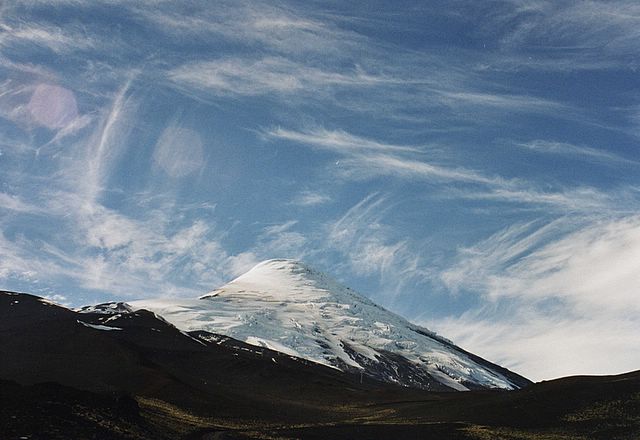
{"x": 287, "y": 306}
{"x": 271, "y": 345}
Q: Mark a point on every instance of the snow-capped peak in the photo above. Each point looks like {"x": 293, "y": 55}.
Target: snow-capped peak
{"x": 287, "y": 306}
{"x": 283, "y": 280}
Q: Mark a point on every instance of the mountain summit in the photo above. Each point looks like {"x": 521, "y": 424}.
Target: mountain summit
{"x": 287, "y": 306}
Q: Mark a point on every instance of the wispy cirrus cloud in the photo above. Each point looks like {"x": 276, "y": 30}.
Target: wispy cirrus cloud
{"x": 565, "y": 37}
{"x": 270, "y": 75}
{"x": 103, "y": 248}
{"x": 416, "y": 89}
{"x": 502, "y": 101}
{"x": 57, "y": 39}
{"x": 372, "y": 248}
{"x": 559, "y": 200}
{"x": 542, "y": 345}
{"x": 278, "y": 28}
{"x": 96, "y": 156}
{"x": 577, "y": 151}
{"x": 560, "y": 63}
{"x": 121, "y": 255}
{"x": 365, "y": 159}
{"x": 477, "y": 264}
{"x": 311, "y": 198}
{"x": 592, "y": 25}
{"x": 283, "y": 239}
{"x": 578, "y": 266}
{"x": 17, "y": 204}
{"x": 279, "y": 240}
{"x": 108, "y": 251}
{"x": 18, "y": 263}
{"x": 375, "y": 165}
{"x": 562, "y": 289}
{"x": 293, "y": 63}
{"x": 336, "y": 140}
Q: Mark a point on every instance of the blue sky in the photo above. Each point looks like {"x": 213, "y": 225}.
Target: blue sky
{"x": 472, "y": 166}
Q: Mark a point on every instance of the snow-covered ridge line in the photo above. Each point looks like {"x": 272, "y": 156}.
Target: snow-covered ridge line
{"x": 110, "y": 308}
{"x": 287, "y": 306}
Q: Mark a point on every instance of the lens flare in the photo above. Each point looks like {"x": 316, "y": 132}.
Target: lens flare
{"x": 179, "y": 151}
{"x": 53, "y": 106}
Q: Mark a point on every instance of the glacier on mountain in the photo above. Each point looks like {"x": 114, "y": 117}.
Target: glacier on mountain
{"x": 286, "y": 306}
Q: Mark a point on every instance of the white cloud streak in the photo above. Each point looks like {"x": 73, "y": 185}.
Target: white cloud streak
{"x": 339, "y": 141}
{"x": 582, "y": 200}
{"x": 58, "y": 40}
{"x": 270, "y": 75}
{"x": 17, "y": 263}
{"x": 553, "y": 296}
{"x": 544, "y": 346}
{"x": 577, "y": 151}
{"x": 509, "y": 102}
{"x": 365, "y": 159}
{"x": 371, "y": 247}
{"x": 597, "y": 268}
{"x": 368, "y": 166}
{"x": 311, "y": 198}
{"x": 97, "y": 156}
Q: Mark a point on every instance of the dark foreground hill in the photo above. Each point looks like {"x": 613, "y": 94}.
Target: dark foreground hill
{"x": 131, "y": 375}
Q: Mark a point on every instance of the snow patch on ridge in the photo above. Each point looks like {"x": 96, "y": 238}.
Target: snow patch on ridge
{"x": 110, "y": 308}
{"x": 97, "y": 326}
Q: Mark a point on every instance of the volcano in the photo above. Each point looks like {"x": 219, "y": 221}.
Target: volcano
{"x": 286, "y": 306}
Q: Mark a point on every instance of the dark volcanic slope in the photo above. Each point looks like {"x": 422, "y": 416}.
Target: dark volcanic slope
{"x": 131, "y": 375}
{"x": 141, "y": 354}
